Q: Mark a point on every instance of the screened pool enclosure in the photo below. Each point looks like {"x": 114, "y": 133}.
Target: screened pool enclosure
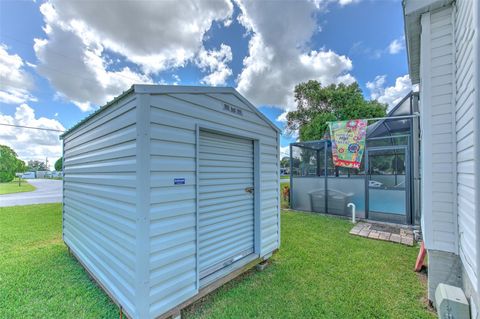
{"x": 385, "y": 188}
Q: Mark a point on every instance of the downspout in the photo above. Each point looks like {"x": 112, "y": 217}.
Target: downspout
{"x": 425, "y": 129}
{"x": 476, "y": 81}
{"x": 454, "y": 133}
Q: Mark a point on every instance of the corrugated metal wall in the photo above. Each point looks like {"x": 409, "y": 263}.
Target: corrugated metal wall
{"x": 465, "y": 118}
{"x": 99, "y": 219}
{"x": 173, "y": 207}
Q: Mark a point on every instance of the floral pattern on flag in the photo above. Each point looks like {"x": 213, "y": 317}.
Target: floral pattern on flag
{"x": 348, "y": 142}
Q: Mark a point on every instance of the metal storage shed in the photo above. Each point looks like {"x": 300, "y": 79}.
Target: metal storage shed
{"x": 170, "y": 191}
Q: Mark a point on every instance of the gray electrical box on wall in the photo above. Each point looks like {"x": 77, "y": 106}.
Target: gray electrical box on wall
{"x": 451, "y": 302}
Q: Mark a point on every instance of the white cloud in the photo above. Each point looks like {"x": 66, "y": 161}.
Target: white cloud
{"x": 347, "y": 2}
{"x": 216, "y": 62}
{"x": 390, "y": 95}
{"x": 154, "y": 34}
{"x": 176, "y": 79}
{"x": 279, "y": 57}
{"x": 15, "y": 81}
{"x": 376, "y": 86}
{"x": 31, "y": 144}
{"x": 75, "y": 66}
{"x": 396, "y": 45}
{"x": 284, "y": 151}
{"x": 282, "y": 118}
{"x": 79, "y": 33}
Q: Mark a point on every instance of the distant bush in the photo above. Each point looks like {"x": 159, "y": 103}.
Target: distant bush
{"x": 9, "y": 164}
{"x": 35, "y": 166}
{"x": 59, "y": 164}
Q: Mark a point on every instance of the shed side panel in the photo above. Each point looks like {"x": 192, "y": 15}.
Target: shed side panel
{"x": 465, "y": 118}
{"x": 173, "y": 273}
{"x": 99, "y": 219}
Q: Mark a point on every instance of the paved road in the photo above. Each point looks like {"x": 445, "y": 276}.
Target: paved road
{"x": 48, "y": 191}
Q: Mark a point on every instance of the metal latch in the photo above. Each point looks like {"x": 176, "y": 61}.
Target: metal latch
{"x": 249, "y": 190}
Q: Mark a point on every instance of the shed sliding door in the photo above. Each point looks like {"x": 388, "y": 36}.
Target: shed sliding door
{"x": 226, "y": 203}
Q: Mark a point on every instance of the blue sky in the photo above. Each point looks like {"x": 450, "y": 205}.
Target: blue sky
{"x": 85, "y": 55}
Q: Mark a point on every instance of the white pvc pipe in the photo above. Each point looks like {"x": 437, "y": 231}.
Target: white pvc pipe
{"x": 352, "y": 205}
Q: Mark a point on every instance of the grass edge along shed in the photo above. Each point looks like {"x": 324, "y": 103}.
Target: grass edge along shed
{"x": 168, "y": 192}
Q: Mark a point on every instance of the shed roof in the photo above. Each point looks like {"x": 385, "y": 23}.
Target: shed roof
{"x": 172, "y": 89}
{"x": 412, "y": 11}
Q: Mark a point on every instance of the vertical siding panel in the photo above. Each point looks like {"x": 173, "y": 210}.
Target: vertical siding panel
{"x": 465, "y": 117}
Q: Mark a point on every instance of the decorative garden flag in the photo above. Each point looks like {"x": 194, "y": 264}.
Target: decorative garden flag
{"x": 348, "y": 142}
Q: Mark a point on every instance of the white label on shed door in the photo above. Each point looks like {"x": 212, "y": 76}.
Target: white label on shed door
{"x": 226, "y": 214}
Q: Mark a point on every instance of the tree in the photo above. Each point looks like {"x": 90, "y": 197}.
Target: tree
{"x": 9, "y": 164}
{"x": 34, "y": 166}
{"x": 285, "y": 162}
{"x": 316, "y": 105}
{"x": 21, "y": 167}
{"x": 59, "y": 164}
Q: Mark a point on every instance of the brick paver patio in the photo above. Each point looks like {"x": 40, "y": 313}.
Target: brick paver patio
{"x": 382, "y": 232}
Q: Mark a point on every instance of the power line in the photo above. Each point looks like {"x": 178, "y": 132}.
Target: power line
{"x": 33, "y": 127}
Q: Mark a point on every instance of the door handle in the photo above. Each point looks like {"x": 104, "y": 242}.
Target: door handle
{"x": 249, "y": 190}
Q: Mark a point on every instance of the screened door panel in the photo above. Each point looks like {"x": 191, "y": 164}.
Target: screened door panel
{"x": 387, "y": 185}
{"x": 226, "y": 209}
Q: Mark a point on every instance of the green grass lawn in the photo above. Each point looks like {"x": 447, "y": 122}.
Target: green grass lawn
{"x": 320, "y": 272}
{"x": 12, "y": 187}
{"x": 285, "y": 177}
{"x": 38, "y": 278}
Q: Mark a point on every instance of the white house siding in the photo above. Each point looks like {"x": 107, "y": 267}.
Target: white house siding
{"x": 174, "y": 119}
{"x": 99, "y": 214}
{"x": 436, "y": 89}
{"x": 465, "y": 135}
